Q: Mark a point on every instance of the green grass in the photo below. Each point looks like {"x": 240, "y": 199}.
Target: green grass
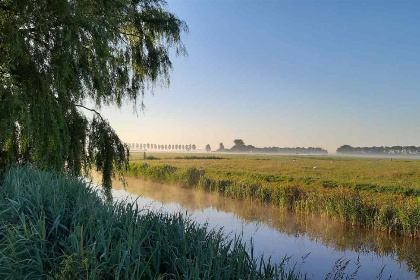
{"x": 55, "y": 227}
{"x": 152, "y": 158}
{"x": 198, "y": 157}
{"x": 378, "y": 193}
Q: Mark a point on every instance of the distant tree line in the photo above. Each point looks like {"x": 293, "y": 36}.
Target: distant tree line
{"x": 161, "y": 147}
{"x": 240, "y": 147}
{"x": 402, "y": 150}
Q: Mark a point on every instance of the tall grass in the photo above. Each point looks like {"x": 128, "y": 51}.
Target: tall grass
{"x": 55, "y": 227}
{"x": 393, "y": 212}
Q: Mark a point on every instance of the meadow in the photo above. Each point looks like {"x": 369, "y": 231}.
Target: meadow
{"x": 377, "y": 193}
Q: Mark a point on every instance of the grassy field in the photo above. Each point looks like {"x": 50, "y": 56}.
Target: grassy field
{"x": 378, "y": 193}
{"x": 56, "y": 227}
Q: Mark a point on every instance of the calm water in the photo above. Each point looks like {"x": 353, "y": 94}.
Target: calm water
{"x": 279, "y": 233}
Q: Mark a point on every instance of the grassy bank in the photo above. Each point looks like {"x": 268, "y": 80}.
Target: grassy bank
{"x": 52, "y": 227}
{"x": 378, "y": 193}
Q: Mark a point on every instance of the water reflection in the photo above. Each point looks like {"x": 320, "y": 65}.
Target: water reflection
{"x": 279, "y": 233}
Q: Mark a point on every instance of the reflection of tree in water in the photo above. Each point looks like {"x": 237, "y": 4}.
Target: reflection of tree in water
{"x": 329, "y": 232}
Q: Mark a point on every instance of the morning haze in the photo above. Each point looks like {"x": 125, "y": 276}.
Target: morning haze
{"x": 230, "y": 170}
{"x": 283, "y": 73}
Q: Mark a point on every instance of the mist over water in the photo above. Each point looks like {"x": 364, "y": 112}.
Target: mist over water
{"x": 282, "y": 233}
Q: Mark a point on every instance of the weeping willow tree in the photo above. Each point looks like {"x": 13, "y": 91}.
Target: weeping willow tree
{"x": 58, "y": 56}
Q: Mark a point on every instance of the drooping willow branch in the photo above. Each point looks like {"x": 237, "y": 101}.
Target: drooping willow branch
{"x": 89, "y": 109}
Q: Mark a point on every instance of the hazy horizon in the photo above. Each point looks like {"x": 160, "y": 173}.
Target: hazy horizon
{"x": 287, "y": 73}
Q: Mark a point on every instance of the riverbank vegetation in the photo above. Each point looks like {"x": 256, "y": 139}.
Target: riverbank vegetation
{"x": 56, "y": 227}
{"x": 377, "y": 193}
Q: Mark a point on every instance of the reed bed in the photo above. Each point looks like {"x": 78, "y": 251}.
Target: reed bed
{"x": 56, "y": 227}
{"x": 394, "y": 210}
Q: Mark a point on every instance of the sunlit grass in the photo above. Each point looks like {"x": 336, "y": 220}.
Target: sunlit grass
{"x": 374, "y": 192}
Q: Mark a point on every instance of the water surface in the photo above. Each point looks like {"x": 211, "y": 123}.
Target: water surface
{"x": 281, "y": 233}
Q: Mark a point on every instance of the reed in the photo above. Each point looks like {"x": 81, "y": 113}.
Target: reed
{"x": 56, "y": 227}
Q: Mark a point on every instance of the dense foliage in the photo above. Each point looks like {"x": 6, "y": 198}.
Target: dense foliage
{"x": 53, "y": 227}
{"x": 57, "y": 56}
{"x": 393, "y": 150}
{"x": 240, "y": 147}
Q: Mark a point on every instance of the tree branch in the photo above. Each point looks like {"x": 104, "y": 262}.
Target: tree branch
{"x": 45, "y": 44}
{"x": 6, "y": 8}
{"x": 131, "y": 34}
{"x": 92, "y": 110}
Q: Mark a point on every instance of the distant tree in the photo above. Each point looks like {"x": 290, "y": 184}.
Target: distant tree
{"x": 221, "y": 147}
{"x": 194, "y": 147}
{"x": 347, "y": 149}
{"x": 241, "y": 147}
{"x": 166, "y": 147}
{"x": 137, "y": 145}
{"x": 208, "y": 148}
{"x": 239, "y": 142}
{"x": 173, "y": 147}
{"x": 183, "y": 147}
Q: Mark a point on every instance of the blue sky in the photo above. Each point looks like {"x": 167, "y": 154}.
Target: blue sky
{"x": 288, "y": 73}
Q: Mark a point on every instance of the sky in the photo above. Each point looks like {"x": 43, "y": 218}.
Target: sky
{"x": 287, "y": 74}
